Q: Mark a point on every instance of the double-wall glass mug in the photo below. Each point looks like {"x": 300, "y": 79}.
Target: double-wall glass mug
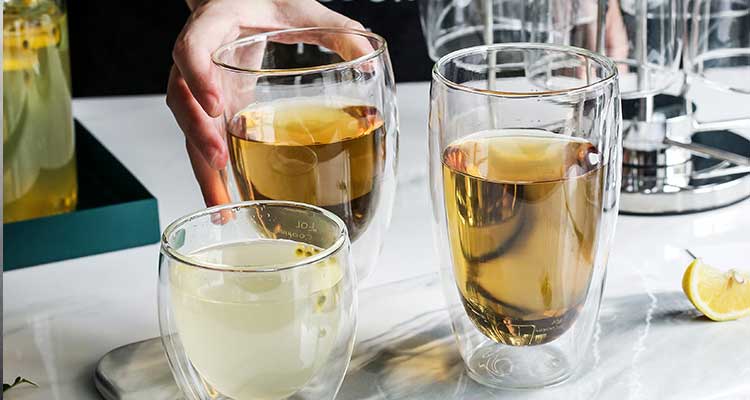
{"x": 257, "y": 300}
{"x": 310, "y": 116}
{"x": 525, "y": 164}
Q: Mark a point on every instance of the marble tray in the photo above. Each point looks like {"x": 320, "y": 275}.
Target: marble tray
{"x": 653, "y": 345}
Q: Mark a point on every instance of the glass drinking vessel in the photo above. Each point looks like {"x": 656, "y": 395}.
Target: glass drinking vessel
{"x": 525, "y": 164}
{"x": 644, "y": 37}
{"x": 39, "y": 163}
{"x": 310, "y": 116}
{"x": 717, "y": 63}
{"x": 257, "y": 300}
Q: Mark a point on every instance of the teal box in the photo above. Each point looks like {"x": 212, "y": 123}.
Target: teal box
{"x": 115, "y": 211}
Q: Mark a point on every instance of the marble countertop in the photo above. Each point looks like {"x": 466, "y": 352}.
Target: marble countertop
{"x": 59, "y": 319}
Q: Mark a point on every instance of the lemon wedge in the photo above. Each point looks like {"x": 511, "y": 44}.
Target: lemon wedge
{"x": 719, "y": 295}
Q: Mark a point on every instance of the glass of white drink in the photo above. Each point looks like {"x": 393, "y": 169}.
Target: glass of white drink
{"x": 257, "y": 300}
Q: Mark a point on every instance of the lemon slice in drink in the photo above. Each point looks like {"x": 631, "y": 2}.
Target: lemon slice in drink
{"x": 719, "y": 295}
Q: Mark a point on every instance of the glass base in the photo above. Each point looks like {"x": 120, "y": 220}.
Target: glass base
{"x": 523, "y": 367}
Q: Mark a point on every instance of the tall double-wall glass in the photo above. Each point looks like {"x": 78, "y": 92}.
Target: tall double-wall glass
{"x": 644, "y": 37}
{"x": 257, "y": 300}
{"x": 718, "y": 63}
{"x": 525, "y": 164}
{"x": 310, "y": 116}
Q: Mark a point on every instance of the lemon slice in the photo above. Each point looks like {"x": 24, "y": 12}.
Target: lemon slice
{"x": 719, "y": 295}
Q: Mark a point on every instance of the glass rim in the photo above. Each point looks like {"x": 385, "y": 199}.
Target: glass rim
{"x": 172, "y": 252}
{"x": 264, "y": 36}
{"x": 611, "y": 76}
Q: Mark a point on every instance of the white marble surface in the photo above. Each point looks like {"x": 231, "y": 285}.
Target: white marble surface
{"x": 60, "y": 318}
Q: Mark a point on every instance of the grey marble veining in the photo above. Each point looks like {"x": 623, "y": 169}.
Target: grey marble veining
{"x": 647, "y": 346}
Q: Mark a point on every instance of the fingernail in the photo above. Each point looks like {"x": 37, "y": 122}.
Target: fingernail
{"x": 222, "y": 217}
{"x": 216, "y": 218}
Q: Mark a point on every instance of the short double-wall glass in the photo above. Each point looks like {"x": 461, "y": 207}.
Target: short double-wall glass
{"x": 257, "y": 300}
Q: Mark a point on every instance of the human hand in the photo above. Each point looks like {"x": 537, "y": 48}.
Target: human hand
{"x": 193, "y": 93}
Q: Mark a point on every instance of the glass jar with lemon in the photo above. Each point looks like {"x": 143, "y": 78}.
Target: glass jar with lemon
{"x": 39, "y": 165}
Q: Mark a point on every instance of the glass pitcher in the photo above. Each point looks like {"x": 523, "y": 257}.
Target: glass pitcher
{"x": 39, "y": 164}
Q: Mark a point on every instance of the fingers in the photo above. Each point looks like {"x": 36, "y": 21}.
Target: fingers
{"x": 199, "y": 129}
{"x": 310, "y": 13}
{"x": 215, "y": 23}
{"x": 348, "y": 47}
{"x": 616, "y": 34}
{"x": 192, "y": 55}
{"x": 315, "y": 14}
{"x": 206, "y": 148}
{"x": 212, "y": 182}
{"x": 194, "y": 93}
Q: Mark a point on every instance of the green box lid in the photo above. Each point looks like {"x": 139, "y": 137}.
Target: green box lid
{"x": 115, "y": 211}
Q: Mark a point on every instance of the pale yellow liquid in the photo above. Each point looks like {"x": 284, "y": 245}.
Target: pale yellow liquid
{"x": 326, "y": 152}
{"x": 524, "y": 209}
{"x": 39, "y": 169}
{"x": 257, "y": 335}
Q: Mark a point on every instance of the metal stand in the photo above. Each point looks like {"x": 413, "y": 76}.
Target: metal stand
{"x": 664, "y": 178}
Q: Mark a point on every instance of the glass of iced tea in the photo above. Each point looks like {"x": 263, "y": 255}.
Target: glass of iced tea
{"x": 525, "y": 168}
{"x": 310, "y": 116}
{"x": 257, "y": 300}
